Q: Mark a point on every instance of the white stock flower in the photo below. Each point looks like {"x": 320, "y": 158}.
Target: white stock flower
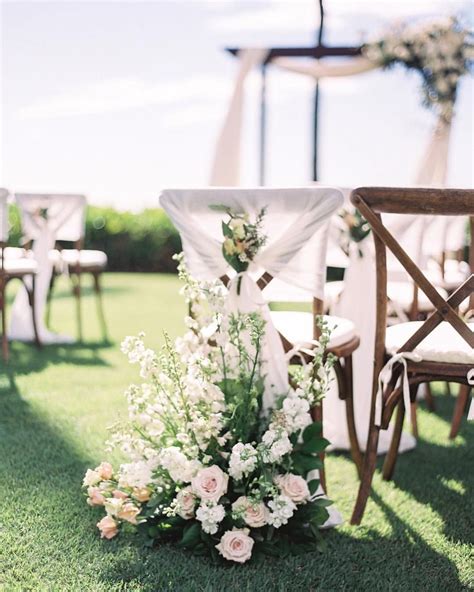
{"x": 275, "y": 445}
{"x": 136, "y": 474}
{"x": 282, "y": 509}
{"x": 243, "y": 460}
{"x": 179, "y": 467}
{"x": 210, "y": 515}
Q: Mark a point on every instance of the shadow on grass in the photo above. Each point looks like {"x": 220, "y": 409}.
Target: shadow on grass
{"x": 26, "y": 358}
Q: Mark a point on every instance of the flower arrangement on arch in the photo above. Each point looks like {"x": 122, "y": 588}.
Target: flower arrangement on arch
{"x": 207, "y": 467}
{"x": 441, "y": 50}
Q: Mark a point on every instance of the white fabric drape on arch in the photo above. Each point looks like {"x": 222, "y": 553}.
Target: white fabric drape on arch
{"x": 44, "y": 219}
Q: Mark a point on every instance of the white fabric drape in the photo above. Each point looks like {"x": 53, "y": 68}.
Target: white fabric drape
{"x": 319, "y": 69}
{"x": 225, "y": 170}
{"x": 295, "y": 223}
{"x": 44, "y": 219}
{"x": 3, "y": 215}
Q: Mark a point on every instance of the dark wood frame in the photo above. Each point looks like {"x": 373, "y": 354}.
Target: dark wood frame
{"x": 343, "y": 369}
{"x": 372, "y": 202}
{"x": 5, "y": 278}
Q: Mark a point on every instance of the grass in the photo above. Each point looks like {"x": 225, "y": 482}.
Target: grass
{"x": 55, "y": 407}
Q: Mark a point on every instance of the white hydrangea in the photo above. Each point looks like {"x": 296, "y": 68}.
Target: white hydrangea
{"x": 243, "y": 460}
{"x": 282, "y": 509}
{"x": 210, "y": 515}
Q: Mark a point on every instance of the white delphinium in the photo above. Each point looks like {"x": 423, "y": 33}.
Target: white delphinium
{"x": 210, "y": 515}
{"x": 243, "y": 460}
{"x": 281, "y": 510}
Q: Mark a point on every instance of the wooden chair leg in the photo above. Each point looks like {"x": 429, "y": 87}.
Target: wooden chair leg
{"x": 76, "y": 289}
{"x": 351, "y": 426}
{"x": 414, "y": 418}
{"x": 317, "y": 413}
{"x": 3, "y": 305}
{"x": 459, "y": 407}
{"x": 49, "y": 298}
{"x": 392, "y": 454}
{"x": 100, "y": 306}
{"x": 32, "y": 300}
{"x": 448, "y": 388}
{"x": 430, "y": 402}
{"x": 370, "y": 460}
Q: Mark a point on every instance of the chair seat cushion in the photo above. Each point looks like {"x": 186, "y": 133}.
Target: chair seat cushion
{"x": 402, "y": 294}
{"x": 444, "y": 344}
{"x": 297, "y": 327}
{"x": 19, "y": 265}
{"x": 87, "y": 258}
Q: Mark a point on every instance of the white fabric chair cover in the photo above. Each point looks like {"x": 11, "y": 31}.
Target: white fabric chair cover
{"x": 294, "y": 253}
{"x": 45, "y": 218}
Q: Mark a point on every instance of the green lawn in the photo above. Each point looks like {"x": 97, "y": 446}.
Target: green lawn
{"x": 55, "y": 407}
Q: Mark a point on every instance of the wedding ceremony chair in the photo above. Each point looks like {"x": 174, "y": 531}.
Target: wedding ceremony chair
{"x": 14, "y": 265}
{"x": 296, "y": 256}
{"x": 441, "y": 348}
{"x": 67, "y": 226}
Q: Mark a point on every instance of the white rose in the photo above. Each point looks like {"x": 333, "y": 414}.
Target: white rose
{"x": 236, "y": 545}
{"x": 293, "y": 486}
{"x": 255, "y": 515}
{"x": 210, "y": 483}
{"x": 237, "y": 226}
{"x": 186, "y": 502}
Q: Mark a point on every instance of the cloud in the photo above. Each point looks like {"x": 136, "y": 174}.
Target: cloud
{"x": 120, "y": 94}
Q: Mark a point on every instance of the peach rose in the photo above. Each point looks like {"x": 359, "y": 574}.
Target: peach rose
{"x": 95, "y": 496}
{"x": 186, "y": 502}
{"x": 236, "y": 545}
{"x": 210, "y": 483}
{"x": 119, "y": 494}
{"x": 105, "y": 471}
{"x": 255, "y": 515}
{"x": 294, "y": 487}
{"x": 108, "y": 527}
{"x": 128, "y": 512}
{"x": 141, "y": 494}
{"x": 91, "y": 478}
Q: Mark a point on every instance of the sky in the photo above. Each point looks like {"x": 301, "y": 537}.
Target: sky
{"x": 119, "y": 100}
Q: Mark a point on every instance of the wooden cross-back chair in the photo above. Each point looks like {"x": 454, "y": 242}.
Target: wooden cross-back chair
{"x": 342, "y": 351}
{"x": 444, "y": 342}
{"x": 17, "y": 267}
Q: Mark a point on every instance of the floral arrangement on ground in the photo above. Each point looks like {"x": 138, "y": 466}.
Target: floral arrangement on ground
{"x": 208, "y": 467}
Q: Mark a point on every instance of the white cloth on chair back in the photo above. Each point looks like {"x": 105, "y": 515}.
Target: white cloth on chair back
{"x": 296, "y": 224}
{"x": 45, "y": 218}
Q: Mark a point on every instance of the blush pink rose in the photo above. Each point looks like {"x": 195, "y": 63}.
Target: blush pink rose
{"x": 294, "y": 487}
{"x": 255, "y": 515}
{"x": 186, "y": 503}
{"x": 128, "y": 512}
{"x": 105, "y": 471}
{"x": 108, "y": 527}
{"x": 236, "y": 545}
{"x": 95, "y": 497}
{"x": 210, "y": 483}
{"x": 119, "y": 494}
{"x": 141, "y": 494}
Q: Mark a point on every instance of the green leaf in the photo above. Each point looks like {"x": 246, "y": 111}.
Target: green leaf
{"x": 191, "y": 535}
{"x": 313, "y": 486}
{"x": 312, "y": 431}
{"x": 316, "y": 445}
{"x": 226, "y": 230}
{"x": 322, "y": 502}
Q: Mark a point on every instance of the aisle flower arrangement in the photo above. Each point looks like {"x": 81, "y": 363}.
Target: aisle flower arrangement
{"x": 441, "y": 50}
{"x": 208, "y": 468}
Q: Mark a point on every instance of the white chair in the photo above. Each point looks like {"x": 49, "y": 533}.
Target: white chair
{"x": 65, "y": 223}
{"x": 14, "y": 265}
{"x": 293, "y": 260}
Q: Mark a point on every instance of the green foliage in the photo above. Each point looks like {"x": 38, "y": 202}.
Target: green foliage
{"x": 145, "y": 241}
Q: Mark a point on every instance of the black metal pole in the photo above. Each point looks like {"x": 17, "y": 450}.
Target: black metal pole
{"x": 316, "y": 99}
{"x": 263, "y": 124}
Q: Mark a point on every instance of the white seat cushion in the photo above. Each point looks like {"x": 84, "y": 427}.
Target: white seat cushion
{"x": 297, "y": 327}
{"x": 87, "y": 259}
{"x": 402, "y": 294}
{"x": 20, "y": 265}
{"x": 455, "y": 273}
{"x": 444, "y": 344}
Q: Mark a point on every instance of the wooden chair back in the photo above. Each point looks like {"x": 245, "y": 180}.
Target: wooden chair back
{"x": 372, "y": 202}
